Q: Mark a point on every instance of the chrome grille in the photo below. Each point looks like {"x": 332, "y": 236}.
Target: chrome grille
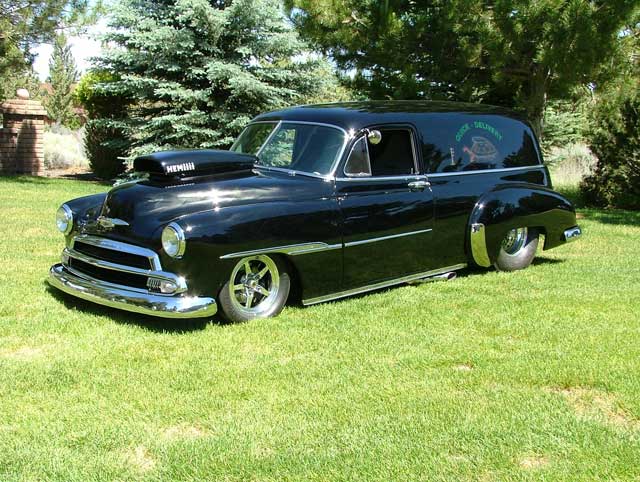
{"x": 117, "y": 263}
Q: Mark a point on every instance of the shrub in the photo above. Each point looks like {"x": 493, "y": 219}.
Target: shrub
{"x": 564, "y": 123}
{"x": 106, "y": 140}
{"x": 63, "y": 150}
{"x": 615, "y": 139}
{"x": 106, "y": 145}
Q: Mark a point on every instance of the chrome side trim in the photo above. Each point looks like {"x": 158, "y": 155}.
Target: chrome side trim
{"x": 572, "y": 234}
{"x": 485, "y": 171}
{"x": 291, "y": 249}
{"x": 153, "y": 257}
{"x": 479, "y": 245}
{"x": 144, "y": 303}
{"x": 315, "y": 247}
{"x": 382, "y": 284}
{"x": 99, "y": 263}
{"x": 384, "y": 238}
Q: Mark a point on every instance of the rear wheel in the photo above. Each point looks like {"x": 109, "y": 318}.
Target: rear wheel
{"x": 257, "y": 288}
{"x": 517, "y": 250}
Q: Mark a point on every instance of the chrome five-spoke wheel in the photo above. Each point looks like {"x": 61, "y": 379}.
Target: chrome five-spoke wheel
{"x": 517, "y": 250}
{"x": 257, "y": 288}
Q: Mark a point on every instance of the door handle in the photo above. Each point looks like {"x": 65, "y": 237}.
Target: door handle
{"x": 418, "y": 185}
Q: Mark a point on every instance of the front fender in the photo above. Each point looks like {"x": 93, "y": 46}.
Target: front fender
{"x": 85, "y": 209}
{"x": 513, "y": 206}
{"x": 219, "y": 238}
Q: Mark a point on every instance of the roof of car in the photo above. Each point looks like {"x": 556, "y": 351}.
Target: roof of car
{"x": 356, "y": 115}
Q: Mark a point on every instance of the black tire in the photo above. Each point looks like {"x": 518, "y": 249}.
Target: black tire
{"x": 244, "y": 297}
{"x": 517, "y": 249}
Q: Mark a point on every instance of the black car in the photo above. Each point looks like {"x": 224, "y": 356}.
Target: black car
{"x": 324, "y": 200}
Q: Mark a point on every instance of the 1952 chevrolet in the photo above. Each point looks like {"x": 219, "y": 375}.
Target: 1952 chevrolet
{"x": 325, "y": 200}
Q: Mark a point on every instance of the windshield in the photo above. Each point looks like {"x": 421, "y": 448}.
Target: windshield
{"x": 302, "y": 147}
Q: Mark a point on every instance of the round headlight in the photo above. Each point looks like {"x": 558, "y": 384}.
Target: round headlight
{"x": 173, "y": 240}
{"x": 64, "y": 219}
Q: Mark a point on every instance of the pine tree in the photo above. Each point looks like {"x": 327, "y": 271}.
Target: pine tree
{"x": 199, "y": 70}
{"x": 516, "y": 53}
{"x": 63, "y": 75}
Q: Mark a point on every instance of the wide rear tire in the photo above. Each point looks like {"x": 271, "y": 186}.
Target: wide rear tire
{"x": 517, "y": 250}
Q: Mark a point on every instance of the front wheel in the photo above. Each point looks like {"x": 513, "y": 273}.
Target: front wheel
{"x": 257, "y": 288}
{"x": 517, "y": 250}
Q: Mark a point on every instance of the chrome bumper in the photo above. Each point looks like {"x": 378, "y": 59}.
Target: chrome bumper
{"x": 572, "y": 234}
{"x": 97, "y": 291}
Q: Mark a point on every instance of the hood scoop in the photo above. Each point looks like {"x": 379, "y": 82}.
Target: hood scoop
{"x": 172, "y": 165}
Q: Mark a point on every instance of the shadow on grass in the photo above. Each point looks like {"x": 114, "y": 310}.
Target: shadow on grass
{"x": 42, "y": 180}
{"x": 613, "y": 216}
{"x": 180, "y": 326}
{"x": 150, "y": 323}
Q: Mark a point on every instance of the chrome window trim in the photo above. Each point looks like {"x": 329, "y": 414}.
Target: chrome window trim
{"x": 381, "y": 284}
{"x": 384, "y": 238}
{"x": 105, "y": 243}
{"x": 290, "y": 249}
{"x": 366, "y": 144}
{"x": 412, "y": 177}
{"x": 330, "y": 175}
{"x": 293, "y": 172}
{"x": 484, "y": 171}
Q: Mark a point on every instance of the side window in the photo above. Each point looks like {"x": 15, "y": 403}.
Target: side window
{"x": 392, "y": 156}
{"x": 358, "y": 163}
{"x": 463, "y": 143}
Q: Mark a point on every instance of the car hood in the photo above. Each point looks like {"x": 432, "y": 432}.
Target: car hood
{"x": 147, "y": 206}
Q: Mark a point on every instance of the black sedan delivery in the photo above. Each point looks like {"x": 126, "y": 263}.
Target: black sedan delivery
{"x": 326, "y": 200}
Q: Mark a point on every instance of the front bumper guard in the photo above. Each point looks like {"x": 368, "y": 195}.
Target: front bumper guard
{"x": 177, "y": 306}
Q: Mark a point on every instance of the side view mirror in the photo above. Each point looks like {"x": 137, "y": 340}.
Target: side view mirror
{"x": 375, "y": 137}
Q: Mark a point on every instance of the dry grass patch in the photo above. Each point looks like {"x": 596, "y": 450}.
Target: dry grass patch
{"x": 533, "y": 462}
{"x": 183, "y": 432}
{"x": 598, "y": 405}
{"x": 24, "y": 353}
{"x": 140, "y": 459}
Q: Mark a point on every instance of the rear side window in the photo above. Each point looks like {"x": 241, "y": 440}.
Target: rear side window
{"x": 460, "y": 143}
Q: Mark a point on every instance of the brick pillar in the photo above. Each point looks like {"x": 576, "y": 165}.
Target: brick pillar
{"x": 8, "y": 143}
{"x": 23, "y": 121}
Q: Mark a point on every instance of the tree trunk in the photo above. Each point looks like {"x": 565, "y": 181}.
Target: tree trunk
{"x": 536, "y": 101}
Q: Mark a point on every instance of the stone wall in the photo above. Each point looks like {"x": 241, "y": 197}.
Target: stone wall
{"x": 21, "y": 137}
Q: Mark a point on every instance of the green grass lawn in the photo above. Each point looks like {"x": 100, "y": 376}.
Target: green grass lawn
{"x": 533, "y": 375}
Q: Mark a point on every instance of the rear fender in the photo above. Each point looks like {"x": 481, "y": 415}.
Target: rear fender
{"x": 514, "y": 206}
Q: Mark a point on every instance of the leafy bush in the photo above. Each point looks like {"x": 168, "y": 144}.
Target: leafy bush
{"x": 106, "y": 145}
{"x": 106, "y": 140}
{"x": 615, "y": 139}
{"x": 63, "y": 150}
